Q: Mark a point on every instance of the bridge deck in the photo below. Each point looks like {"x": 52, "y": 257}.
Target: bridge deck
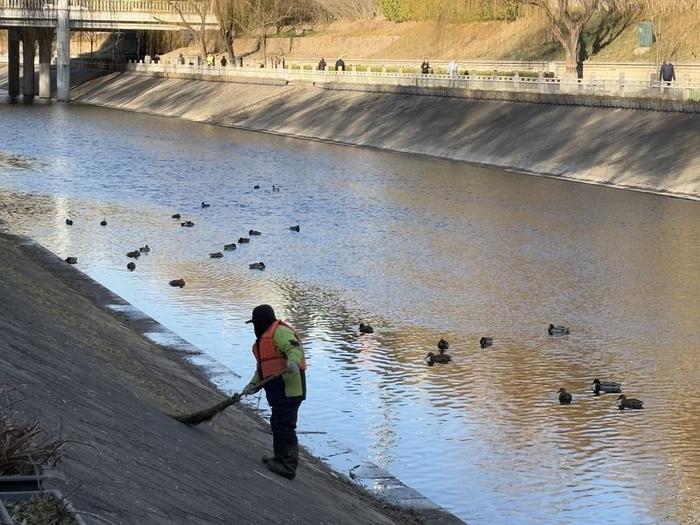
{"x": 106, "y": 14}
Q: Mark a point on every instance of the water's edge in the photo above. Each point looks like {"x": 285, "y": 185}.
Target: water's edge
{"x": 375, "y": 480}
{"x": 570, "y": 143}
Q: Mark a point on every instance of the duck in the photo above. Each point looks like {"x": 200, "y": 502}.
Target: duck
{"x": 485, "y": 342}
{"x": 440, "y": 358}
{"x": 205, "y": 205}
{"x": 633, "y": 404}
{"x": 253, "y": 232}
{"x": 243, "y": 240}
{"x": 557, "y": 330}
{"x": 257, "y": 266}
{"x": 69, "y": 222}
{"x": 366, "y": 329}
{"x": 294, "y": 228}
{"x": 275, "y": 188}
{"x": 564, "y": 397}
{"x": 229, "y": 247}
{"x": 217, "y": 255}
{"x": 103, "y": 222}
{"x": 176, "y": 216}
{"x": 607, "y": 387}
{"x": 145, "y": 249}
{"x": 180, "y": 283}
{"x": 134, "y": 255}
{"x": 187, "y": 224}
{"x": 443, "y": 345}
{"x": 131, "y": 266}
{"x": 71, "y": 260}
{"x": 256, "y": 187}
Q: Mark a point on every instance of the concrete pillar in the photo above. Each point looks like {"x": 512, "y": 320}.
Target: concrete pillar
{"x": 28, "y": 49}
{"x": 45, "y": 44}
{"x": 13, "y": 61}
{"x": 63, "y": 52}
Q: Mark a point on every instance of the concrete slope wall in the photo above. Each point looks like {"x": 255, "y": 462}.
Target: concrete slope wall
{"x": 644, "y": 150}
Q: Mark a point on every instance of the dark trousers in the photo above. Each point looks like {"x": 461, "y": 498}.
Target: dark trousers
{"x": 284, "y": 424}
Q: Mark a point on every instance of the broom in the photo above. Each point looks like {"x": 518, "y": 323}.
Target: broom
{"x": 195, "y": 418}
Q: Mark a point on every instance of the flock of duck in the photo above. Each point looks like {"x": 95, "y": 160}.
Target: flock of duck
{"x": 180, "y": 283}
{"x": 565, "y": 398}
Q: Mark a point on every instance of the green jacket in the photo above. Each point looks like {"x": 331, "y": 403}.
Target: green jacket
{"x": 290, "y": 347}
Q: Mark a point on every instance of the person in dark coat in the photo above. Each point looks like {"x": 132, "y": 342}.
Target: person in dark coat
{"x": 667, "y": 73}
{"x": 322, "y": 64}
{"x": 425, "y": 66}
{"x": 340, "y": 64}
{"x": 224, "y": 62}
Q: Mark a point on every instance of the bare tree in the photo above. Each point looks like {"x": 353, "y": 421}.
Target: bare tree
{"x": 201, "y": 8}
{"x": 263, "y": 16}
{"x": 567, "y": 19}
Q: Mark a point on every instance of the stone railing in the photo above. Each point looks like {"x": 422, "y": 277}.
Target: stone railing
{"x": 620, "y": 88}
{"x": 110, "y": 6}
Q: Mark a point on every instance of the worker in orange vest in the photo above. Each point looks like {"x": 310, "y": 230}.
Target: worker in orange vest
{"x": 278, "y": 352}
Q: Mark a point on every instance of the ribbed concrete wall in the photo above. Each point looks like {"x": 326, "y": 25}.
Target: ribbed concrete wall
{"x": 643, "y": 150}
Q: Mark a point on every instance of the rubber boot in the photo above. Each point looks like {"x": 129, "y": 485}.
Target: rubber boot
{"x": 285, "y": 465}
{"x": 277, "y": 451}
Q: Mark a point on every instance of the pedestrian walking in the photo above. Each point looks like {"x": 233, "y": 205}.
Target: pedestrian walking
{"x": 322, "y": 64}
{"x": 210, "y": 59}
{"x": 667, "y": 73}
{"x": 452, "y": 68}
{"x": 278, "y": 352}
{"x": 340, "y": 64}
{"x": 181, "y": 59}
{"x": 224, "y": 62}
{"x": 425, "y": 66}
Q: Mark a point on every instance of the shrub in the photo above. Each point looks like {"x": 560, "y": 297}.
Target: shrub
{"x": 296, "y": 66}
{"x": 308, "y": 67}
{"x": 392, "y": 69}
{"x": 361, "y": 68}
{"x": 376, "y": 69}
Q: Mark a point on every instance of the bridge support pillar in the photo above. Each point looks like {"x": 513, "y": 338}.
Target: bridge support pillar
{"x": 13, "y": 39}
{"x": 28, "y": 48}
{"x": 45, "y": 43}
{"x": 63, "y": 52}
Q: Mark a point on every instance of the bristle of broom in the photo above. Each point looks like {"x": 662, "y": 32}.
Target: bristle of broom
{"x": 195, "y": 418}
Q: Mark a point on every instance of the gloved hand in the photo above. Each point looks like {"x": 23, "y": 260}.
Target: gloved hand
{"x": 292, "y": 367}
{"x": 250, "y": 388}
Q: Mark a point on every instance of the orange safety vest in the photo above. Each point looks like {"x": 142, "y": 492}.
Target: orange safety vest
{"x": 270, "y": 361}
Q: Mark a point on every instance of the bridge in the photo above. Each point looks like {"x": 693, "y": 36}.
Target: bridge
{"x": 32, "y": 21}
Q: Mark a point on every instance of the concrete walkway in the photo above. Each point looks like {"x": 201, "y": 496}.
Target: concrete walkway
{"x": 86, "y": 374}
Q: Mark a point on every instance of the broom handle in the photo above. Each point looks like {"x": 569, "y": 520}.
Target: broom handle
{"x": 265, "y": 381}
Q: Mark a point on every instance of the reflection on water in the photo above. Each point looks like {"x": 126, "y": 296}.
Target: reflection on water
{"x": 422, "y": 249}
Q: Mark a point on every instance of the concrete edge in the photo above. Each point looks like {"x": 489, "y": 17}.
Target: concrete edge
{"x": 376, "y": 481}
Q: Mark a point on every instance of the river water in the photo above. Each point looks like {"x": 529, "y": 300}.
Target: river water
{"x": 421, "y": 249}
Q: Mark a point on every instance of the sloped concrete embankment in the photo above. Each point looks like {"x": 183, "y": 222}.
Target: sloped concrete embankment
{"x": 85, "y": 372}
{"x": 642, "y": 150}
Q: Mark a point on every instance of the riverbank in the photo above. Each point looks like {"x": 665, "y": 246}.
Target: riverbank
{"x": 84, "y": 371}
{"x": 640, "y": 150}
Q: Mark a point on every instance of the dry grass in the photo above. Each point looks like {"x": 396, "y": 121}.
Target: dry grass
{"x": 25, "y": 447}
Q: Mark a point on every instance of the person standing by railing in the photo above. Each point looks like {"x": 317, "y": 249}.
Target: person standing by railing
{"x": 452, "y": 68}
{"x": 322, "y": 64}
{"x": 340, "y": 64}
{"x": 667, "y": 73}
{"x": 425, "y": 66}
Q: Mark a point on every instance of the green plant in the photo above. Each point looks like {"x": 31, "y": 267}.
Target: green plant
{"x": 376, "y": 69}
{"x": 308, "y": 67}
{"x": 361, "y": 68}
{"x": 408, "y": 69}
{"x": 296, "y": 66}
{"x": 440, "y": 71}
{"x": 41, "y": 510}
{"x": 331, "y": 68}
{"x": 392, "y": 69}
